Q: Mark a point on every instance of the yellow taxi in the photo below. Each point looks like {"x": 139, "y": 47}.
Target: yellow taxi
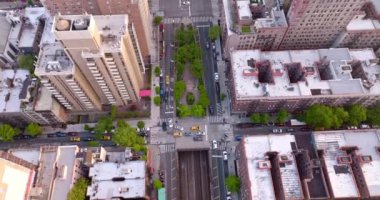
{"x": 195, "y": 128}
{"x": 106, "y": 137}
{"x": 75, "y": 139}
{"x": 177, "y": 134}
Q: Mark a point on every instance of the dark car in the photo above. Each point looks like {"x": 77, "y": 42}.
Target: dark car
{"x": 290, "y": 130}
{"x": 198, "y": 138}
{"x": 60, "y": 134}
{"x": 211, "y": 110}
{"x": 73, "y": 133}
{"x": 50, "y": 135}
{"x": 164, "y": 126}
{"x": 22, "y": 137}
{"x": 87, "y": 139}
{"x": 305, "y": 129}
{"x": 188, "y": 134}
{"x": 238, "y": 137}
{"x": 17, "y": 137}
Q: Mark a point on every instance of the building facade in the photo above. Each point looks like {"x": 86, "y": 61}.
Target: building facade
{"x": 294, "y": 80}
{"x": 137, "y": 10}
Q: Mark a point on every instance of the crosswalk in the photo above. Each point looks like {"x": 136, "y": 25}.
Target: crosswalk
{"x": 165, "y": 148}
{"x": 196, "y": 19}
{"x": 215, "y": 119}
{"x": 221, "y": 145}
{"x": 219, "y": 109}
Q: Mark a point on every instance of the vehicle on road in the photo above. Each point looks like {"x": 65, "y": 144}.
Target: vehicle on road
{"x": 106, "y": 137}
{"x": 188, "y": 134}
{"x": 75, "y": 139}
{"x": 21, "y": 137}
{"x": 198, "y": 138}
{"x": 290, "y": 130}
{"x": 60, "y": 134}
{"x": 178, "y": 127}
{"x": 238, "y": 138}
{"x": 87, "y": 139}
{"x": 50, "y": 135}
{"x": 245, "y": 125}
{"x": 216, "y": 76}
{"x": 214, "y": 144}
{"x": 364, "y": 126}
{"x": 72, "y": 133}
{"x": 164, "y": 126}
{"x": 208, "y": 45}
{"x": 177, "y": 134}
{"x": 195, "y": 128}
{"x": 225, "y": 157}
{"x": 167, "y": 80}
{"x": 200, "y": 133}
{"x": 211, "y": 110}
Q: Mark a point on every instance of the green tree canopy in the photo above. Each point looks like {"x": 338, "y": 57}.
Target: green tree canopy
{"x": 357, "y": 114}
{"x": 203, "y": 98}
{"x": 157, "y": 100}
{"x": 373, "y": 115}
{"x": 255, "y": 118}
{"x": 140, "y": 124}
{"x": 34, "y": 129}
{"x": 198, "y": 111}
{"x": 179, "y": 89}
{"x": 26, "y": 62}
{"x": 319, "y": 116}
{"x": 185, "y": 36}
{"x": 126, "y": 136}
{"x": 157, "y": 71}
{"x": 264, "y": 118}
{"x": 157, "y": 184}
{"x": 6, "y": 132}
{"x": 157, "y": 90}
{"x": 196, "y": 68}
{"x": 190, "y": 98}
{"x": 78, "y": 191}
{"x": 232, "y": 183}
{"x": 104, "y": 124}
{"x": 183, "y": 111}
{"x": 340, "y": 116}
{"x": 282, "y": 116}
{"x": 214, "y": 32}
{"x": 157, "y": 20}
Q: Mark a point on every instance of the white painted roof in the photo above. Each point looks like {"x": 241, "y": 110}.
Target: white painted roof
{"x": 243, "y": 9}
{"x": 104, "y": 187}
{"x": 248, "y": 86}
{"x": 256, "y": 148}
{"x": 18, "y": 78}
{"x": 30, "y": 155}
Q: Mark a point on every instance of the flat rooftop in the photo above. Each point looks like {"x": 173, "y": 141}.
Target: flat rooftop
{"x": 125, "y": 180}
{"x": 16, "y": 180}
{"x": 297, "y": 73}
{"x": 276, "y": 19}
{"x": 4, "y": 32}
{"x": 31, "y": 155}
{"x": 32, "y": 17}
{"x": 243, "y": 9}
{"x": 53, "y": 60}
{"x": 11, "y": 84}
{"x": 342, "y": 181}
{"x": 256, "y": 148}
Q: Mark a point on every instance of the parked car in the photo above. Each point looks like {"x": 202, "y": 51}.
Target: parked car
{"x": 214, "y": 144}
{"x": 363, "y": 126}
{"x": 87, "y": 139}
{"x": 106, "y": 137}
{"x": 164, "y": 126}
{"x": 75, "y": 139}
{"x": 225, "y": 157}
{"x": 177, "y": 134}
{"x": 22, "y": 137}
{"x": 72, "y": 133}
{"x": 238, "y": 138}
{"x": 49, "y": 135}
{"x": 195, "y": 128}
{"x": 216, "y": 76}
{"x": 188, "y": 134}
{"x": 60, "y": 134}
{"x": 198, "y": 138}
{"x": 291, "y": 130}
{"x": 178, "y": 127}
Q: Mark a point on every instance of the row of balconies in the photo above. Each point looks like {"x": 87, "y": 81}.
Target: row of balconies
{"x": 80, "y": 93}
{"x": 56, "y": 94}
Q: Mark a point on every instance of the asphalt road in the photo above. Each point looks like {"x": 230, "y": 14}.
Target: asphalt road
{"x": 184, "y": 8}
{"x": 209, "y": 64}
{"x": 194, "y": 175}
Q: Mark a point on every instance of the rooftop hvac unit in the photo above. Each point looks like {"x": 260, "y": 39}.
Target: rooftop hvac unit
{"x": 365, "y": 159}
{"x": 344, "y": 159}
{"x": 264, "y": 164}
{"x": 285, "y": 159}
{"x": 80, "y": 24}
{"x": 63, "y": 25}
{"x": 345, "y": 69}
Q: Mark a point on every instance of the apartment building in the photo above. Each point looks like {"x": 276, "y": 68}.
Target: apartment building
{"x": 253, "y": 25}
{"x": 10, "y": 21}
{"x": 364, "y": 30}
{"x": 294, "y": 80}
{"x": 105, "y": 49}
{"x": 137, "y": 10}
{"x": 318, "y": 23}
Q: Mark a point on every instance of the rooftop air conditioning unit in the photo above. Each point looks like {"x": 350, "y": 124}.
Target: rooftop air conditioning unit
{"x": 344, "y": 159}
{"x": 265, "y": 164}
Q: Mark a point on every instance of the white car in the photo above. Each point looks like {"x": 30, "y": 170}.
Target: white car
{"x": 228, "y": 198}
{"x": 225, "y": 157}
{"x": 216, "y": 76}
{"x": 214, "y": 144}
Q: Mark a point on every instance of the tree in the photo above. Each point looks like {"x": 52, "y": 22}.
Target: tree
{"x": 126, "y": 136}
{"x": 104, "y": 124}
{"x": 282, "y": 116}
{"x": 198, "y": 111}
{"x": 157, "y": 100}
{"x": 232, "y": 183}
{"x": 214, "y": 32}
{"x": 122, "y": 123}
{"x": 6, "y": 132}
{"x": 190, "y": 98}
{"x": 26, "y": 62}
{"x": 157, "y": 20}
{"x": 264, "y": 118}
{"x": 157, "y": 71}
{"x": 183, "y": 111}
{"x": 157, "y": 90}
{"x": 223, "y": 96}
{"x": 87, "y": 128}
{"x": 157, "y": 184}
{"x": 357, "y": 114}
{"x": 340, "y": 116}
{"x": 373, "y": 115}
{"x": 34, "y": 129}
{"x": 140, "y": 124}
{"x": 113, "y": 112}
{"x": 196, "y": 68}
{"x": 78, "y": 191}
{"x": 255, "y": 118}
{"x": 319, "y": 116}
{"x": 179, "y": 89}
{"x": 203, "y": 98}
{"x": 180, "y": 68}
